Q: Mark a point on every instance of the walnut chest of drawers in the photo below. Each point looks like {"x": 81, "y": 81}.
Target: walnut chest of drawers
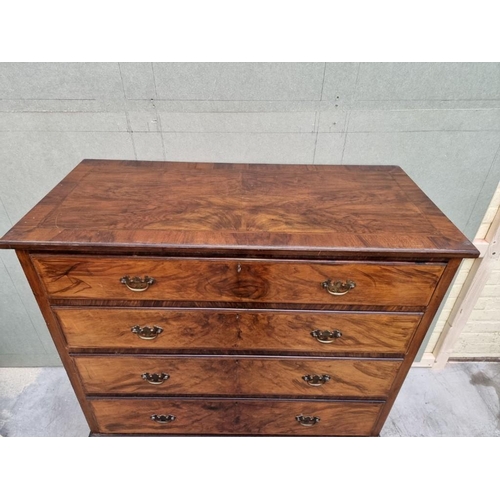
{"x": 234, "y": 299}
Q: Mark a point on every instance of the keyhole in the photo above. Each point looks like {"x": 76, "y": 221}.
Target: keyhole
{"x": 238, "y": 269}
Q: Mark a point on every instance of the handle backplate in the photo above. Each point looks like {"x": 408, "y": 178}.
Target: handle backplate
{"x": 316, "y": 380}
{"x": 307, "y": 421}
{"x": 155, "y": 378}
{"x": 162, "y": 419}
{"x": 326, "y": 336}
{"x": 137, "y": 284}
{"x": 146, "y": 332}
{"x": 338, "y": 287}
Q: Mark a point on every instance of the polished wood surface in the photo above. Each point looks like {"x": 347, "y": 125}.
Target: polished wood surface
{"x": 221, "y": 417}
{"x": 238, "y": 280}
{"x": 174, "y": 304}
{"x": 233, "y": 375}
{"x": 422, "y": 329}
{"x": 166, "y": 206}
{"x": 56, "y": 334}
{"x": 238, "y": 254}
{"x": 205, "y": 330}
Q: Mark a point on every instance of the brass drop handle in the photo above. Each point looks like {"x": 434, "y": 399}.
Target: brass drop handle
{"x": 146, "y": 332}
{"x": 162, "y": 419}
{"x": 326, "y": 336}
{"x": 338, "y": 287}
{"x": 137, "y": 284}
{"x": 307, "y": 421}
{"x": 155, "y": 378}
{"x": 316, "y": 380}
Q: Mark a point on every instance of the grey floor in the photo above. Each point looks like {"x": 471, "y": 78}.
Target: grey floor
{"x": 461, "y": 400}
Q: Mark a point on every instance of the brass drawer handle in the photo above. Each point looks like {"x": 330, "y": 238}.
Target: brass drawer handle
{"x": 316, "y": 380}
{"x": 326, "y": 336}
{"x": 146, "y": 332}
{"x": 162, "y": 419}
{"x": 307, "y": 421}
{"x": 155, "y": 378}
{"x": 337, "y": 287}
{"x": 137, "y": 284}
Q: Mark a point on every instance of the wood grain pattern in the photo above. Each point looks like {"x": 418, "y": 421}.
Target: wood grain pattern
{"x": 238, "y": 280}
{"x": 156, "y": 206}
{"x": 229, "y": 417}
{"x": 56, "y": 334}
{"x": 236, "y": 376}
{"x": 175, "y": 304}
{"x": 214, "y": 330}
{"x": 437, "y": 298}
{"x": 238, "y": 253}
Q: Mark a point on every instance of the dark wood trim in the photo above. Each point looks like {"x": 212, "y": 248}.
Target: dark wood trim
{"x": 68, "y": 305}
{"x": 312, "y": 354}
{"x": 191, "y": 397}
{"x": 250, "y": 397}
{"x": 242, "y": 306}
{"x": 94, "y": 248}
{"x": 242, "y": 260}
{"x": 439, "y": 293}
{"x": 56, "y": 333}
{"x": 97, "y": 434}
{"x": 261, "y": 355}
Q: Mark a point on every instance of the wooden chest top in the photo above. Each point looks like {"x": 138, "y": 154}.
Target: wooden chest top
{"x": 316, "y": 211}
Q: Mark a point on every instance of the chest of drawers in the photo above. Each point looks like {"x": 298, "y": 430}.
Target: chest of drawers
{"x": 232, "y": 299}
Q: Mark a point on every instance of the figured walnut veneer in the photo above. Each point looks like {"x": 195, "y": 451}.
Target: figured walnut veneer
{"x": 233, "y": 330}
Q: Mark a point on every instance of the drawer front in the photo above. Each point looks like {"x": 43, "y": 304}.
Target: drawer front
{"x": 134, "y": 416}
{"x": 161, "y": 375}
{"x": 266, "y": 331}
{"x": 397, "y": 284}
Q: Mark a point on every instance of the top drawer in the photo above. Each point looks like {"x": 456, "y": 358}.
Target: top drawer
{"x": 238, "y": 280}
